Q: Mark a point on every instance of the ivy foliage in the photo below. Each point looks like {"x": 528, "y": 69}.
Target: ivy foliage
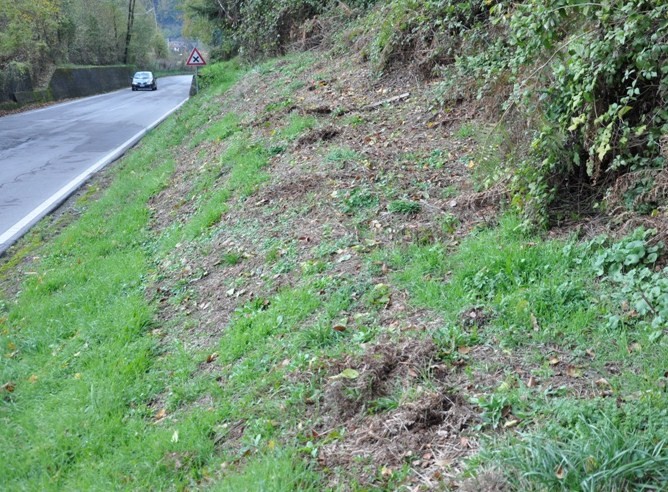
{"x": 424, "y": 33}
{"x": 592, "y": 79}
{"x": 602, "y": 91}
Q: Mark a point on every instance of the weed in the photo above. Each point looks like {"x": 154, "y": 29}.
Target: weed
{"x": 407, "y": 207}
{"x": 451, "y": 338}
{"x": 296, "y": 85}
{"x": 342, "y": 156}
{"x": 313, "y": 267}
{"x": 593, "y": 455}
{"x": 358, "y": 199}
{"x": 296, "y": 126}
{"x": 277, "y": 106}
{"x": 271, "y": 471}
{"x": 628, "y": 265}
{"x": 449, "y": 223}
{"x": 466, "y": 130}
{"x": 231, "y": 258}
{"x": 449, "y": 192}
{"x": 378, "y": 296}
{"x": 276, "y": 149}
{"x": 437, "y": 159}
{"x": 622, "y": 256}
{"x": 494, "y": 407}
{"x": 355, "y": 120}
{"x": 383, "y": 404}
{"x": 320, "y": 336}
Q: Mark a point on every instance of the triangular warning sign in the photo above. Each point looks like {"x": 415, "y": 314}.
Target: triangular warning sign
{"x": 195, "y": 59}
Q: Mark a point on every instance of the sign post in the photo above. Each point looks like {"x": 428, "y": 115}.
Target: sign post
{"x": 196, "y": 60}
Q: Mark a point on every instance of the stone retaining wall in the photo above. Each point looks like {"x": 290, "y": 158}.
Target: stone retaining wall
{"x": 16, "y": 86}
{"x": 14, "y": 78}
{"x": 79, "y": 82}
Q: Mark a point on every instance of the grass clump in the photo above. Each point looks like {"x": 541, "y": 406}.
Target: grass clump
{"x": 342, "y": 156}
{"x": 407, "y": 207}
{"x": 600, "y": 452}
{"x": 274, "y": 471}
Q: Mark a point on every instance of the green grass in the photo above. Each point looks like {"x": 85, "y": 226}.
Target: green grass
{"x": 82, "y": 360}
{"x": 105, "y": 396}
{"x": 276, "y": 471}
{"x": 296, "y": 126}
{"x": 243, "y": 163}
{"x": 218, "y": 131}
{"x": 342, "y": 155}
{"x": 538, "y": 293}
{"x": 516, "y": 276}
{"x": 599, "y": 450}
{"x": 407, "y": 207}
{"x": 79, "y": 327}
{"x": 88, "y": 376}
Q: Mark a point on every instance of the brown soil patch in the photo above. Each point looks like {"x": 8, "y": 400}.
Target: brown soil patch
{"x": 435, "y": 429}
{"x": 427, "y": 432}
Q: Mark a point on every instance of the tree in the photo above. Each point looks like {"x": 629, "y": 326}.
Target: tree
{"x": 128, "y": 35}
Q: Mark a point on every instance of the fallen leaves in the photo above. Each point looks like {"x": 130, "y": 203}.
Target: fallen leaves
{"x": 9, "y": 387}
{"x": 602, "y": 383}
{"x": 560, "y": 473}
{"x": 340, "y": 326}
{"x": 346, "y": 374}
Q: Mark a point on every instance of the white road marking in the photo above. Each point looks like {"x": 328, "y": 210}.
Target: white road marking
{"x": 14, "y": 232}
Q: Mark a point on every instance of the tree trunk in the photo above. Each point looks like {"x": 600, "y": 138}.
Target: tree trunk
{"x": 128, "y": 35}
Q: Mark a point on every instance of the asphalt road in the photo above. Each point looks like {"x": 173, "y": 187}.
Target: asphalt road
{"x": 47, "y": 154}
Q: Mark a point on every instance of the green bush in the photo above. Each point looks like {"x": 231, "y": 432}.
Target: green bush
{"x": 257, "y": 28}
{"x": 592, "y": 81}
{"x": 581, "y": 87}
{"x": 429, "y": 33}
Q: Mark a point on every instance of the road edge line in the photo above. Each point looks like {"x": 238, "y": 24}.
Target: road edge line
{"x": 15, "y": 232}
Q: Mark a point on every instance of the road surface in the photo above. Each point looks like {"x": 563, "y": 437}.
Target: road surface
{"x": 47, "y": 154}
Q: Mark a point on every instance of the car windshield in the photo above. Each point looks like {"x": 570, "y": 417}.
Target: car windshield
{"x": 143, "y": 75}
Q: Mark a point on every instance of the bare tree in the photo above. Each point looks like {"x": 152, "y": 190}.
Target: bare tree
{"x": 128, "y": 35}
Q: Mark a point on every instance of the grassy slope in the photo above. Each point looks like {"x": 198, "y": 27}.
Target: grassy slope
{"x": 256, "y": 304}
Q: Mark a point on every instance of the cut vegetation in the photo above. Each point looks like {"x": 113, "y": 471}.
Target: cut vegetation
{"x": 303, "y": 282}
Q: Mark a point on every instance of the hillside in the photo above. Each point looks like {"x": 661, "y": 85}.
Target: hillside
{"x": 312, "y": 278}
